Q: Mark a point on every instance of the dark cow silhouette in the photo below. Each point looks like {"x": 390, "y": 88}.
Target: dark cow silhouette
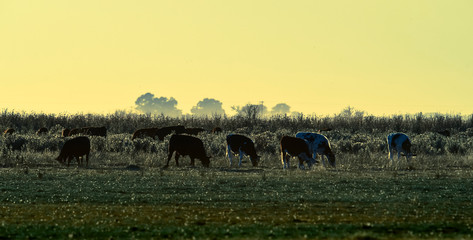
{"x": 241, "y": 145}
{"x": 295, "y": 147}
{"x": 185, "y": 145}
{"x": 9, "y": 131}
{"x": 194, "y": 131}
{"x": 75, "y": 148}
{"x": 325, "y": 129}
{"x": 444, "y": 132}
{"x": 163, "y": 132}
{"x": 42, "y": 131}
{"x": 95, "y": 131}
{"x": 65, "y": 132}
{"x": 90, "y": 131}
{"x": 217, "y": 130}
{"x": 145, "y": 132}
{"x": 75, "y": 131}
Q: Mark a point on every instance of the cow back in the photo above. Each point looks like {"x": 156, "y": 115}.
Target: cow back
{"x": 187, "y": 145}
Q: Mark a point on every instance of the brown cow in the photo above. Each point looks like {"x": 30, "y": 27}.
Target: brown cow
{"x": 75, "y": 148}
{"x": 163, "y": 132}
{"x": 217, "y": 130}
{"x": 194, "y": 131}
{"x": 295, "y": 147}
{"x": 42, "y": 131}
{"x": 65, "y": 132}
{"x": 95, "y": 131}
{"x": 75, "y": 131}
{"x": 187, "y": 145}
{"x": 145, "y": 132}
{"x": 8, "y": 131}
{"x": 241, "y": 145}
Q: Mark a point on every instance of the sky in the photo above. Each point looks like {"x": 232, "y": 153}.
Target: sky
{"x": 317, "y": 56}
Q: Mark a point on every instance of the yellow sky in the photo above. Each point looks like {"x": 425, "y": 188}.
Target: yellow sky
{"x": 384, "y": 57}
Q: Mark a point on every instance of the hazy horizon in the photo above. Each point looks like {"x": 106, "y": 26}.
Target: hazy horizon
{"x": 381, "y": 57}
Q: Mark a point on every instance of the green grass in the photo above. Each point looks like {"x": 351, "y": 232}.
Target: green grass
{"x": 237, "y": 203}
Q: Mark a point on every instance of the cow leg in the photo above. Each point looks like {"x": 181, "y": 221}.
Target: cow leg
{"x": 87, "y": 160}
{"x": 301, "y": 163}
{"x": 397, "y": 164}
{"x": 229, "y": 154}
{"x": 169, "y": 158}
{"x": 176, "y": 157}
{"x": 283, "y": 161}
{"x": 391, "y": 156}
{"x": 323, "y": 159}
{"x": 241, "y": 157}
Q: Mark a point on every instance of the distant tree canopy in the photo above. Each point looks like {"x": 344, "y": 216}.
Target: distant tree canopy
{"x": 251, "y": 111}
{"x": 147, "y": 103}
{"x": 281, "y": 109}
{"x": 208, "y": 107}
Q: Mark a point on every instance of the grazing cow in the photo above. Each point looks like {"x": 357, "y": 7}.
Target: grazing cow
{"x": 318, "y": 144}
{"x": 65, "y": 132}
{"x": 42, "y": 131}
{"x": 401, "y": 143}
{"x": 94, "y": 131}
{"x": 326, "y": 129}
{"x": 194, "y": 131}
{"x": 75, "y": 131}
{"x": 75, "y": 148}
{"x": 295, "y": 147}
{"x": 444, "y": 132}
{"x": 163, "y": 132}
{"x": 145, "y": 132}
{"x": 185, "y": 145}
{"x": 8, "y": 131}
{"x": 241, "y": 145}
{"x": 217, "y": 130}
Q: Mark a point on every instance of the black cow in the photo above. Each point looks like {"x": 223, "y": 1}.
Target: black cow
{"x": 145, "y": 132}
{"x": 194, "y": 131}
{"x": 42, "y": 131}
{"x": 185, "y": 145}
{"x": 241, "y": 145}
{"x": 163, "y": 132}
{"x": 295, "y": 147}
{"x": 95, "y": 131}
{"x": 75, "y": 148}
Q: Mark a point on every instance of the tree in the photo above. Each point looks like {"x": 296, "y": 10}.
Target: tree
{"x": 281, "y": 109}
{"x": 208, "y": 107}
{"x": 147, "y": 103}
{"x": 251, "y": 111}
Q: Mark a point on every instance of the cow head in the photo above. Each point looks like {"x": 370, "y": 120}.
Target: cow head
{"x": 61, "y": 160}
{"x": 205, "y": 161}
{"x": 254, "y": 160}
{"x": 304, "y": 157}
{"x": 331, "y": 158}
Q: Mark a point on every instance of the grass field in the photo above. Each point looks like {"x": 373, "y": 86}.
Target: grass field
{"x": 266, "y": 202}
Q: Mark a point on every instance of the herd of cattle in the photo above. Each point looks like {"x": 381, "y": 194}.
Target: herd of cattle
{"x": 304, "y": 145}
